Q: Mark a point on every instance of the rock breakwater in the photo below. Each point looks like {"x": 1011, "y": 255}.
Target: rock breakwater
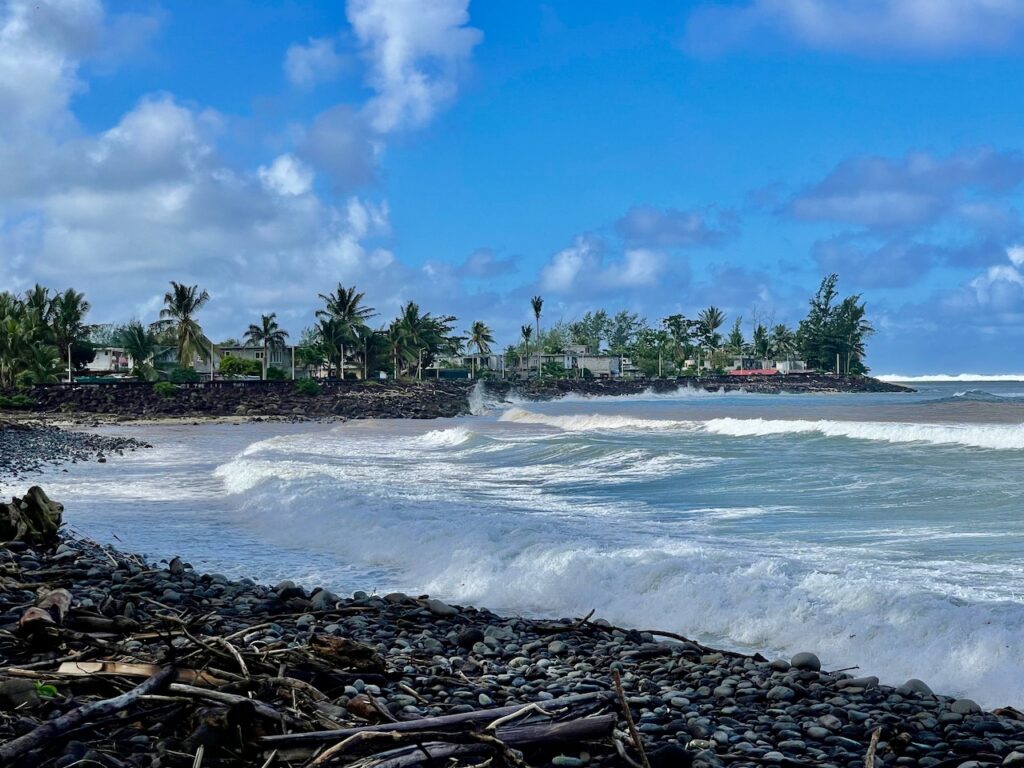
{"x": 286, "y": 675}
{"x": 269, "y": 400}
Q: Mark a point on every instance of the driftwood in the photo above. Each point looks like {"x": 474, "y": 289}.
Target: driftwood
{"x": 124, "y": 669}
{"x": 440, "y": 723}
{"x": 53, "y": 729}
{"x": 633, "y": 733}
{"x": 432, "y": 745}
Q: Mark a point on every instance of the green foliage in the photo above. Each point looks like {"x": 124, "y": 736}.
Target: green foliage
{"x": 268, "y": 335}
{"x": 552, "y": 369}
{"x": 16, "y": 402}
{"x": 141, "y": 345}
{"x": 276, "y": 374}
{"x": 590, "y": 330}
{"x": 35, "y": 332}
{"x": 183, "y": 376}
{"x": 342, "y": 328}
{"x": 178, "y": 322}
{"x": 834, "y": 332}
{"x": 240, "y": 366}
{"x": 307, "y": 387}
{"x": 165, "y": 388}
{"x": 414, "y": 339}
{"x": 46, "y": 690}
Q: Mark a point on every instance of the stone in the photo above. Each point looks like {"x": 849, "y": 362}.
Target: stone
{"x": 913, "y": 685}
{"x": 964, "y": 707}
{"x": 1014, "y": 760}
{"x": 441, "y": 608}
{"x": 806, "y": 661}
{"x": 323, "y": 600}
{"x": 469, "y": 638}
{"x": 781, "y": 693}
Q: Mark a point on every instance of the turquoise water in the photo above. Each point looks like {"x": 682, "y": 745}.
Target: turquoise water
{"x": 883, "y": 531}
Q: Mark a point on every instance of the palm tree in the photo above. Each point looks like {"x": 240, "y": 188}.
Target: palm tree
{"x": 268, "y": 335}
{"x": 67, "y": 320}
{"x": 527, "y": 332}
{"x": 482, "y": 336}
{"x": 537, "y": 303}
{"x": 711, "y": 319}
{"x": 331, "y": 334}
{"x": 140, "y": 344}
{"x": 782, "y": 342}
{"x": 345, "y": 306}
{"x": 178, "y": 317}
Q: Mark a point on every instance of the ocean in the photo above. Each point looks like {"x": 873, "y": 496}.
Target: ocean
{"x": 883, "y": 531}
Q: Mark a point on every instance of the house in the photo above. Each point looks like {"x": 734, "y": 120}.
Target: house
{"x": 575, "y": 358}
{"x": 110, "y": 360}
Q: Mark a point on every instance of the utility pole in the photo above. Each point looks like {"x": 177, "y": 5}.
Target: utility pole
{"x": 69, "y": 364}
{"x": 293, "y": 362}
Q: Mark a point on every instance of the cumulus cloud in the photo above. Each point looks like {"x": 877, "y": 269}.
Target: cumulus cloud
{"x": 912, "y": 191}
{"x": 287, "y": 175}
{"x": 583, "y": 267}
{"x": 863, "y": 27}
{"x": 415, "y": 53}
{"x": 647, "y": 226}
{"x": 316, "y": 61}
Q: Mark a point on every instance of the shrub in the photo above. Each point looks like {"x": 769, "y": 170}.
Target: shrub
{"x": 307, "y": 387}
{"x": 184, "y": 376}
{"x": 275, "y": 374}
{"x": 165, "y": 388}
{"x": 240, "y": 366}
{"x": 16, "y": 402}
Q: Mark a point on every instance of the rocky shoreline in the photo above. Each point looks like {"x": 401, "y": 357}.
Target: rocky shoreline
{"x": 281, "y": 675}
{"x": 343, "y": 400}
{"x": 26, "y": 449}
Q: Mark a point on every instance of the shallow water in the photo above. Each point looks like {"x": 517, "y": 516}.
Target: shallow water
{"x": 884, "y": 531}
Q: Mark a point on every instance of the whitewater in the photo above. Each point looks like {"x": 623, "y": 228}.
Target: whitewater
{"x": 882, "y": 531}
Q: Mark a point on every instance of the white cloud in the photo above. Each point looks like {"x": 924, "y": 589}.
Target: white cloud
{"x": 1016, "y": 255}
{"x": 565, "y": 267}
{"x": 315, "y": 62}
{"x": 287, "y": 175}
{"x": 903, "y": 27}
{"x": 415, "y": 52}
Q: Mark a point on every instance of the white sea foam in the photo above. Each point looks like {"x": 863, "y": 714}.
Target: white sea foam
{"x": 938, "y": 378}
{"x": 590, "y": 421}
{"x": 849, "y": 611}
{"x": 1008, "y": 437}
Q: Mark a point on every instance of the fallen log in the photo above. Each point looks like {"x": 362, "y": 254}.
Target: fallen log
{"x": 53, "y": 729}
{"x": 452, "y": 745}
{"x": 125, "y": 669}
{"x": 440, "y": 723}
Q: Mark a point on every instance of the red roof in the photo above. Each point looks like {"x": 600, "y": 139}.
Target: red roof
{"x": 753, "y": 372}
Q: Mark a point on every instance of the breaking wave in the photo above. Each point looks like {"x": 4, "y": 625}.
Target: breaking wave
{"x": 590, "y": 422}
{"x": 1009, "y": 437}
{"x": 938, "y": 378}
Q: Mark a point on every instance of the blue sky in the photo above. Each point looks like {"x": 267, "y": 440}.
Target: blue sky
{"x": 652, "y": 156}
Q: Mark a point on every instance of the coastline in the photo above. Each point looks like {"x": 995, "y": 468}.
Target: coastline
{"x": 225, "y": 402}
{"x": 291, "y": 650}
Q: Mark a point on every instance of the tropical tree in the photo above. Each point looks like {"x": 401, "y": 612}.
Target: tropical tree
{"x": 178, "y": 319}
{"x": 67, "y": 320}
{"x": 834, "y": 335}
{"x": 267, "y": 334}
{"x": 760, "y": 342}
{"x": 527, "y": 332}
{"x": 736, "y": 342}
{"x": 345, "y": 306}
{"x": 590, "y": 330}
{"x": 332, "y": 337}
{"x": 140, "y": 344}
{"x": 481, "y": 336}
{"x": 679, "y": 330}
{"x": 782, "y": 342}
{"x": 537, "y": 303}
{"x": 709, "y": 321}
{"x": 416, "y": 336}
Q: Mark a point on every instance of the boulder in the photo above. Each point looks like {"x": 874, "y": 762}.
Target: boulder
{"x": 34, "y": 518}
